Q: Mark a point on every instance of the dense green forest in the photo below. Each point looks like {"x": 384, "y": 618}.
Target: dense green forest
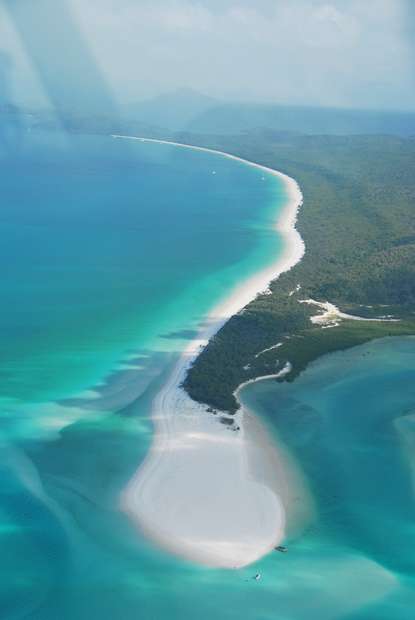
{"x": 358, "y": 225}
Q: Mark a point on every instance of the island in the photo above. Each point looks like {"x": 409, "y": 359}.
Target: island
{"x": 356, "y": 281}
{"x": 343, "y": 277}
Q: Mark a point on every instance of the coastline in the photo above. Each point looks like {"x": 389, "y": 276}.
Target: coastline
{"x": 285, "y": 224}
{"x": 206, "y": 490}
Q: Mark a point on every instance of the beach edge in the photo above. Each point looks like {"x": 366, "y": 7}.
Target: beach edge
{"x": 177, "y": 419}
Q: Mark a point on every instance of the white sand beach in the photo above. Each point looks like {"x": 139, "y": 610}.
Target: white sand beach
{"x": 216, "y": 494}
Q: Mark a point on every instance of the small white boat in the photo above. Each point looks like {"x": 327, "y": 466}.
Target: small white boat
{"x": 257, "y": 577}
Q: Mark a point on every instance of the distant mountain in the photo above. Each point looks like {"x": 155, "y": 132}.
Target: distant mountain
{"x": 16, "y": 118}
{"x": 233, "y": 118}
{"x": 188, "y": 110}
{"x": 176, "y": 110}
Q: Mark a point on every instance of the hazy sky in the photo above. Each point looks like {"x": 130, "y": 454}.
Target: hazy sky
{"x": 333, "y": 52}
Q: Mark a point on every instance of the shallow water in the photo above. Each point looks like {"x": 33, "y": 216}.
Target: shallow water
{"x": 349, "y": 420}
{"x": 77, "y": 557}
{"x": 112, "y": 254}
{"x": 114, "y": 248}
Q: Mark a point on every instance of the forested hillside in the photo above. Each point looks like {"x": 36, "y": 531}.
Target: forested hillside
{"x": 358, "y": 224}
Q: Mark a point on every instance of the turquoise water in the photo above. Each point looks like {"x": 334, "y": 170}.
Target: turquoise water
{"x": 112, "y": 253}
{"x": 350, "y": 421}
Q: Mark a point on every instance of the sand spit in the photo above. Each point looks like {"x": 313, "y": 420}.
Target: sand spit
{"x": 212, "y": 492}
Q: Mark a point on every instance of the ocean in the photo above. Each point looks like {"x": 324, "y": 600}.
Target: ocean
{"x": 349, "y": 421}
{"x": 113, "y": 252}
{"x": 112, "y": 255}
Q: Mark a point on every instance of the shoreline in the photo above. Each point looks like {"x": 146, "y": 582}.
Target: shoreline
{"x": 206, "y": 491}
{"x": 285, "y": 224}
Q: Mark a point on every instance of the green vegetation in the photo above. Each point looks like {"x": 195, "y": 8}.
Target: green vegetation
{"x": 358, "y": 225}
